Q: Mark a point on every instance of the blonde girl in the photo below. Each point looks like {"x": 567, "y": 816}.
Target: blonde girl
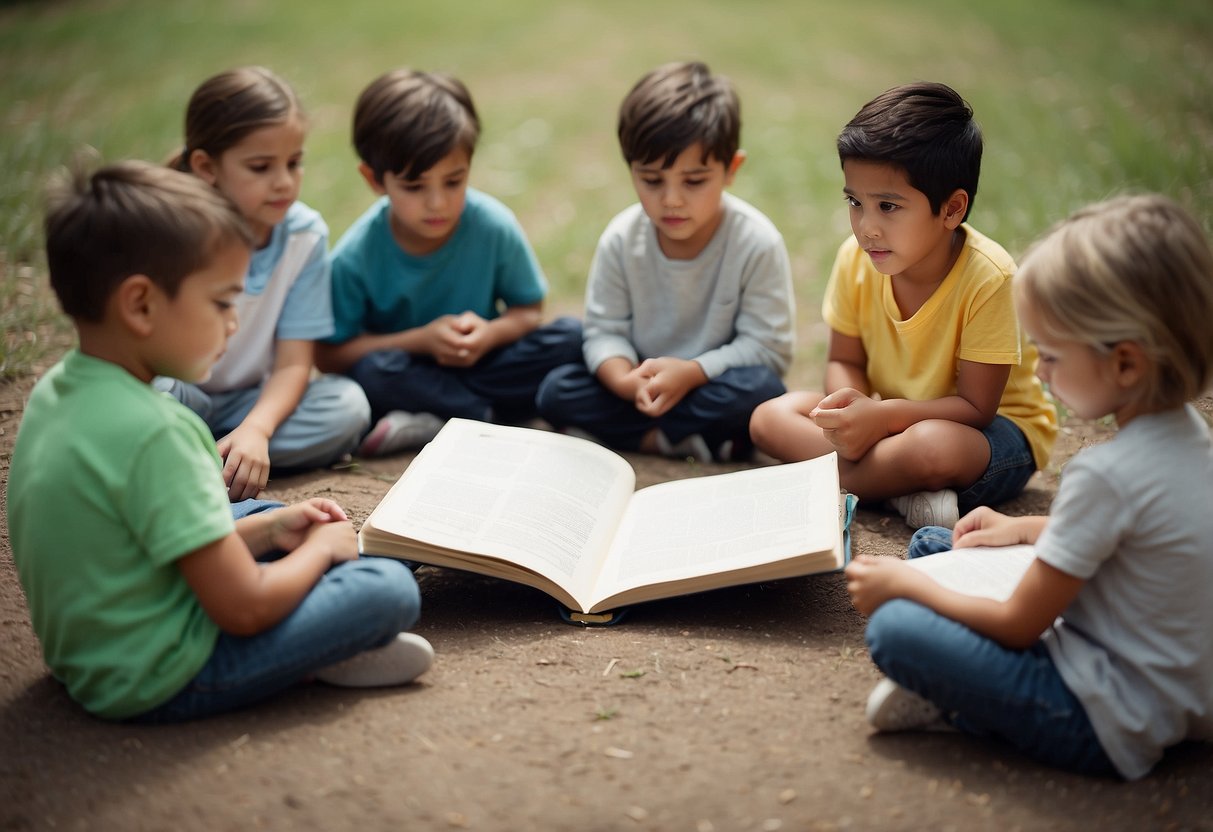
{"x": 1101, "y": 659}
{"x": 244, "y": 135}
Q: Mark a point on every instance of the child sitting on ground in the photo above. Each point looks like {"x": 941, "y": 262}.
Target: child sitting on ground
{"x": 930, "y": 398}
{"x": 689, "y": 309}
{"x": 144, "y": 594}
{"x": 244, "y": 132}
{"x": 1118, "y": 299}
{"x": 437, "y": 295}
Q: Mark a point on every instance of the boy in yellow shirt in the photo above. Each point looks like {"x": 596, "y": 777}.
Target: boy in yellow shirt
{"x": 931, "y": 398}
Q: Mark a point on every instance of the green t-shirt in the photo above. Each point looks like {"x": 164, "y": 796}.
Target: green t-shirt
{"x": 110, "y": 483}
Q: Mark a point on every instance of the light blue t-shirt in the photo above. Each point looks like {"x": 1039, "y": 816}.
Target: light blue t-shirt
{"x": 286, "y": 297}
{"x": 378, "y": 288}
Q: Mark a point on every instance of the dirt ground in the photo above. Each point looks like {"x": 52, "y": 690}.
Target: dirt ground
{"x": 739, "y": 709}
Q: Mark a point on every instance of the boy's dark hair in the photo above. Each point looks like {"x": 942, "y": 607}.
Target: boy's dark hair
{"x": 132, "y": 218}
{"x": 673, "y": 107}
{"x": 925, "y": 129}
{"x": 227, "y": 107}
{"x": 407, "y": 121}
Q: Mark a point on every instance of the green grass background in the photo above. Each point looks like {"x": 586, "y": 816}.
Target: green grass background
{"x": 1078, "y": 99}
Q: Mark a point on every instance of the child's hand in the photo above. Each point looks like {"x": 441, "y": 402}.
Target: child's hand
{"x": 983, "y": 526}
{"x": 871, "y": 581}
{"x": 246, "y": 462}
{"x": 666, "y": 382}
{"x": 621, "y": 378}
{"x": 850, "y": 421}
{"x": 452, "y": 339}
{"x": 474, "y": 342}
{"x": 294, "y": 524}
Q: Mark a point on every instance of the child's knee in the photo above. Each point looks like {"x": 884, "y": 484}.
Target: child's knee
{"x": 388, "y": 592}
{"x": 549, "y": 398}
{"x": 892, "y": 629}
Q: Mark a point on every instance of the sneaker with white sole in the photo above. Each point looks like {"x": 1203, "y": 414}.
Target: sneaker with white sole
{"x": 894, "y": 708}
{"x": 398, "y": 662}
{"x": 928, "y": 508}
{"x": 398, "y": 431}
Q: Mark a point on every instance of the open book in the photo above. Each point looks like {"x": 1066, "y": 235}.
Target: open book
{"x": 561, "y": 514}
{"x": 988, "y": 571}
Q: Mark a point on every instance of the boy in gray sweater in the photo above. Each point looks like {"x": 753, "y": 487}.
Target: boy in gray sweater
{"x": 689, "y": 320}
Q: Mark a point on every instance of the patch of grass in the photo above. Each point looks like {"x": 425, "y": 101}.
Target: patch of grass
{"x": 1077, "y": 101}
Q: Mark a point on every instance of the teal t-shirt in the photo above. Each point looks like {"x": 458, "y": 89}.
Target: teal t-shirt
{"x": 378, "y": 288}
{"x": 110, "y": 483}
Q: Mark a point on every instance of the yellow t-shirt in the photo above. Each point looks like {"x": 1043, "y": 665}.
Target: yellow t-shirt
{"x": 970, "y": 316}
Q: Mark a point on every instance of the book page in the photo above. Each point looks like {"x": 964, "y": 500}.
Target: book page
{"x": 988, "y": 571}
{"x": 542, "y": 500}
{"x": 716, "y": 524}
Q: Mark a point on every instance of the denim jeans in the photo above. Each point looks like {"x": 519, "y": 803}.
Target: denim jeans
{"x": 571, "y": 396}
{"x": 501, "y": 386}
{"x": 356, "y": 606}
{"x": 981, "y": 687}
{"x": 1011, "y": 466}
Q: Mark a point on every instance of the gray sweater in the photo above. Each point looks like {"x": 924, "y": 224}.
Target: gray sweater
{"x": 732, "y": 306}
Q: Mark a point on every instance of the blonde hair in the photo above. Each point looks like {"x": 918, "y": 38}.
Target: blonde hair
{"x": 1133, "y": 268}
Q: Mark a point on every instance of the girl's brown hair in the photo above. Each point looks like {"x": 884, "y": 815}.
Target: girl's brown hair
{"x": 227, "y": 107}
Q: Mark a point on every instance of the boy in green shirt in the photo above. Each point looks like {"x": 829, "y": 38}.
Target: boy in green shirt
{"x": 148, "y": 601}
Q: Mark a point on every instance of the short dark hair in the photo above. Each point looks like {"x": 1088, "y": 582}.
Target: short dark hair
{"x": 925, "y": 129}
{"x": 675, "y": 106}
{"x": 132, "y": 218}
{"x": 407, "y": 121}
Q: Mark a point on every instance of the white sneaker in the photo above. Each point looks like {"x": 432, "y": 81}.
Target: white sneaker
{"x": 398, "y": 662}
{"x": 693, "y": 447}
{"x": 928, "y": 508}
{"x": 399, "y": 430}
{"x": 893, "y": 708}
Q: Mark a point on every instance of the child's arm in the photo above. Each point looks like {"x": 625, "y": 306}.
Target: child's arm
{"x": 846, "y": 364}
{"x": 854, "y": 422}
{"x": 244, "y": 597}
{"x": 1043, "y": 593}
{"x": 452, "y": 340}
{"x": 245, "y": 450}
{"x": 475, "y": 336}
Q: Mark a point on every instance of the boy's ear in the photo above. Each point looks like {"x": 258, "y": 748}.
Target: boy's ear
{"x": 731, "y": 168}
{"x": 369, "y": 176}
{"x": 954, "y": 208}
{"x": 135, "y": 301}
{"x": 203, "y": 166}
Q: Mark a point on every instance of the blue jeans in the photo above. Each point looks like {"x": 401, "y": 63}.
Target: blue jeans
{"x": 571, "y": 396}
{"x": 1011, "y": 466}
{"x": 329, "y": 420}
{"x": 501, "y": 386}
{"x": 355, "y": 606}
{"x": 981, "y": 687}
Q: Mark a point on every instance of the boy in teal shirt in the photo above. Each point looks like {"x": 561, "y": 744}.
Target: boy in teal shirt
{"x": 148, "y": 602}
{"x": 437, "y": 296}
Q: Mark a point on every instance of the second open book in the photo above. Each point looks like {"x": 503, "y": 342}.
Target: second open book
{"x": 561, "y": 514}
